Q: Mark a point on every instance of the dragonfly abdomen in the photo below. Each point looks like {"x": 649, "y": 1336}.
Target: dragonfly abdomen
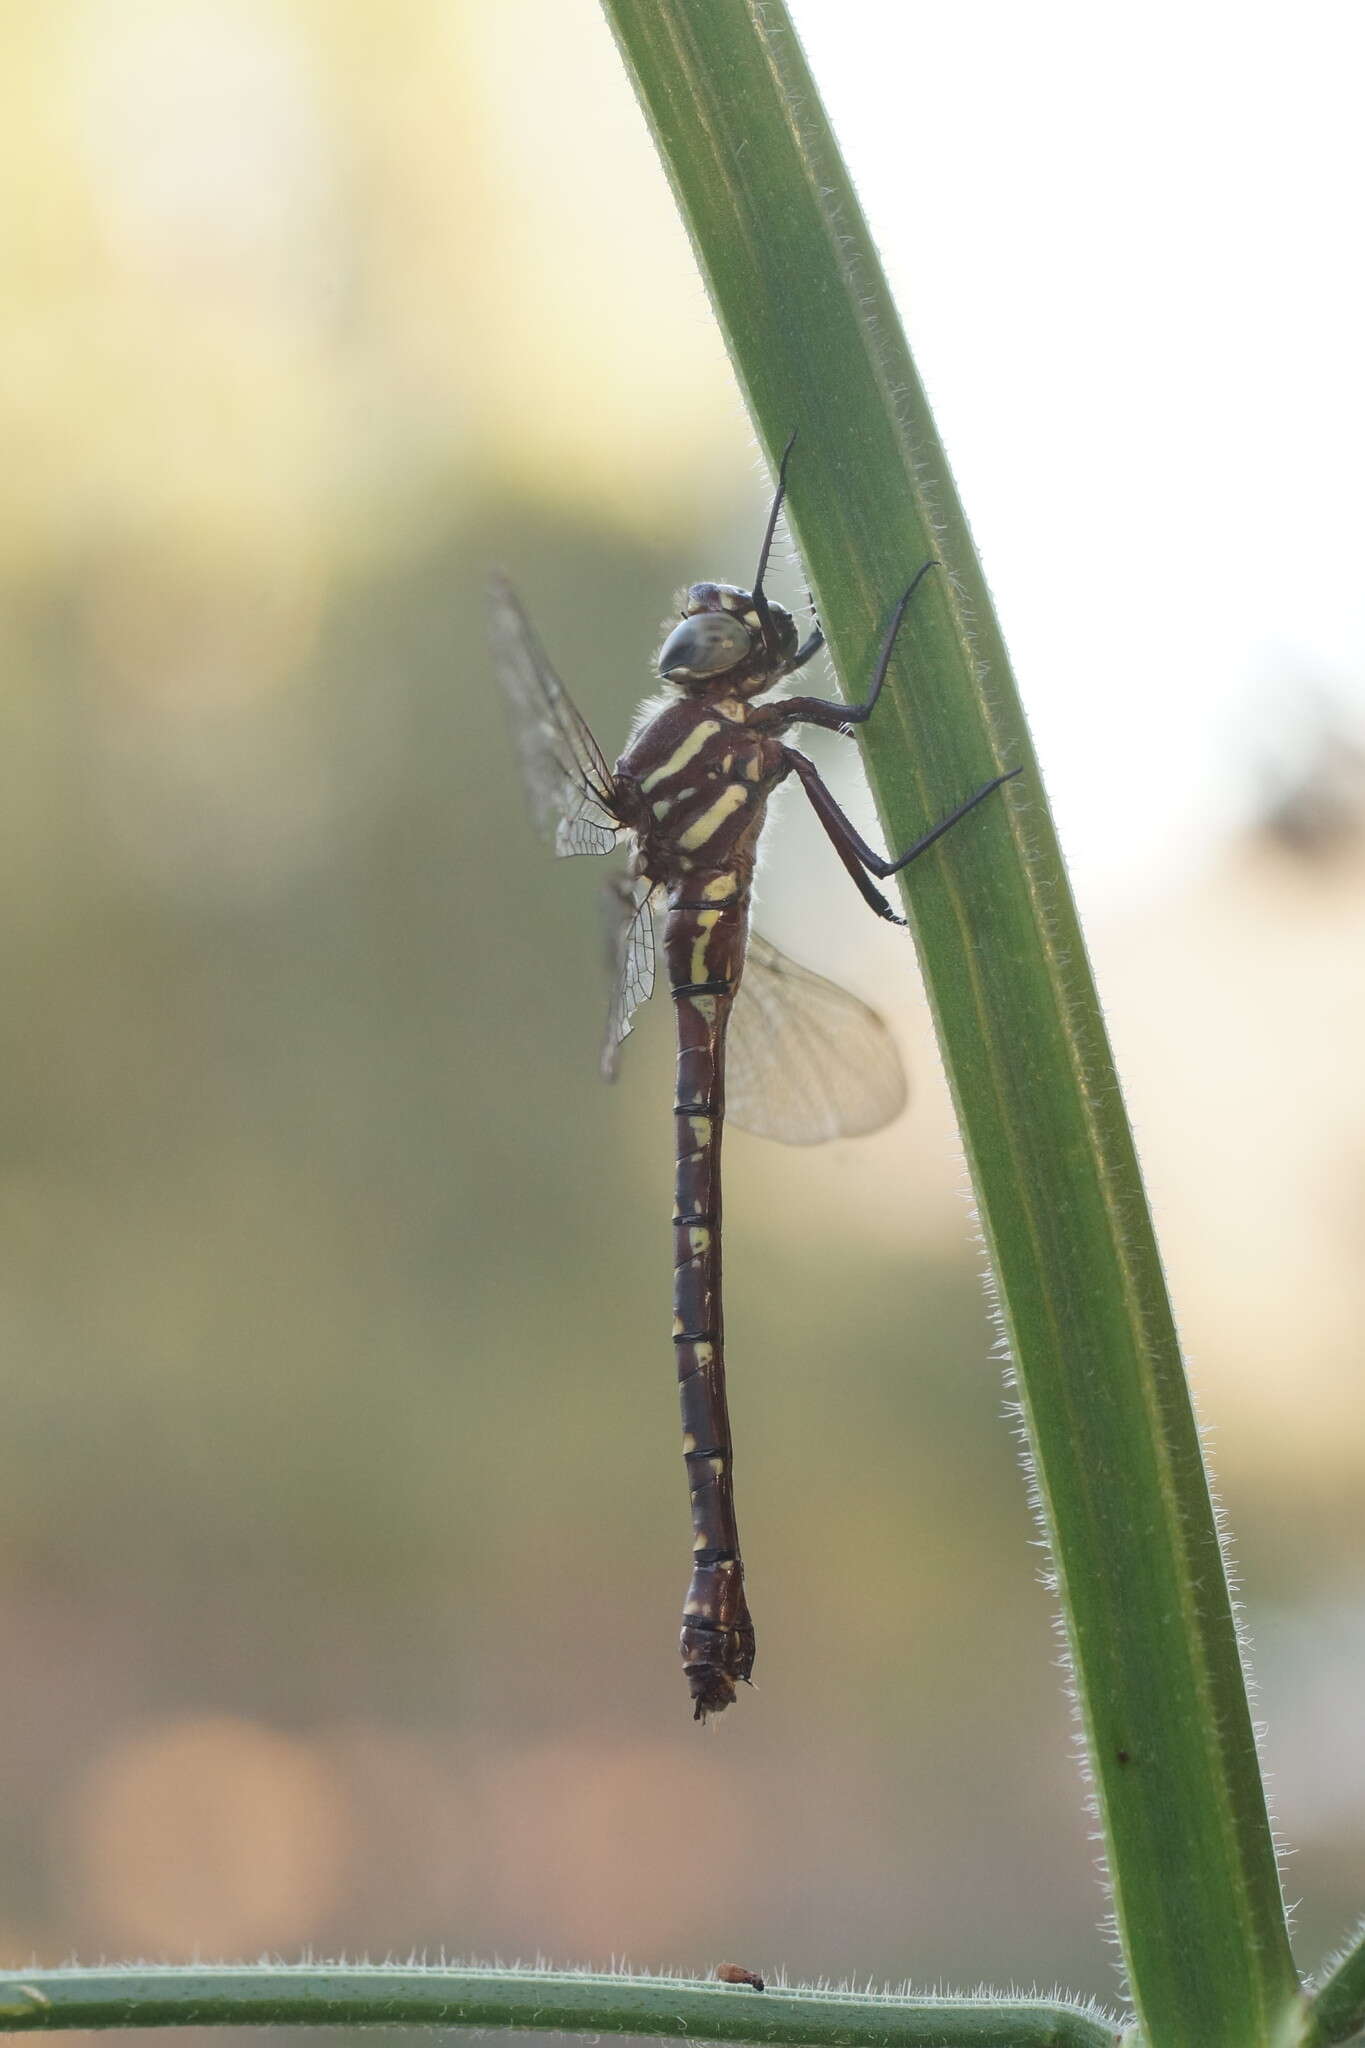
{"x": 704, "y": 945}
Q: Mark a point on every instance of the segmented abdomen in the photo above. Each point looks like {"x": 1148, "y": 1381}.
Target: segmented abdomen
{"x": 704, "y": 946}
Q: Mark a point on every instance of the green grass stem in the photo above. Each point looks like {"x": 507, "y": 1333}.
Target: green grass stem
{"x": 539, "y": 2001}
{"x": 818, "y": 347}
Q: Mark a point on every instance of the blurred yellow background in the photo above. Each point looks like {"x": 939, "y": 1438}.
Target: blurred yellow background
{"x": 344, "y": 1521}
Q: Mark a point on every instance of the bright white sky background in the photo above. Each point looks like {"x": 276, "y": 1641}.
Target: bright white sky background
{"x": 1137, "y": 302}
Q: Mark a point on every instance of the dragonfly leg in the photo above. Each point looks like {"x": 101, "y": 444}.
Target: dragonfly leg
{"x": 778, "y": 495}
{"x": 760, "y": 601}
{"x": 840, "y": 717}
{"x": 893, "y": 867}
{"x": 807, "y": 651}
{"x": 853, "y": 850}
{"x": 845, "y": 841}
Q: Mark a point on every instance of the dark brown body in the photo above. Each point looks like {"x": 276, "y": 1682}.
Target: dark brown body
{"x": 691, "y": 792}
{"x": 694, "y": 786}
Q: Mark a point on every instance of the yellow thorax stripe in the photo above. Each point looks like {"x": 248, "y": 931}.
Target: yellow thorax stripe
{"x": 731, "y": 797}
{"x": 689, "y": 749}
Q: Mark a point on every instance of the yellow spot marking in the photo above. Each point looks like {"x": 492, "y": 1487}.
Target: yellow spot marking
{"x": 689, "y": 1441}
{"x": 707, "y": 920}
{"x": 677, "y": 1326}
{"x": 663, "y": 807}
{"x": 688, "y": 751}
{"x": 717, "y": 1466}
{"x": 731, "y": 797}
{"x": 721, "y": 889}
{"x": 705, "y": 1355}
{"x": 705, "y": 1007}
{"x": 727, "y": 764}
{"x": 700, "y": 1241}
{"x": 701, "y": 1130}
{"x": 733, "y": 709}
{"x": 753, "y": 767}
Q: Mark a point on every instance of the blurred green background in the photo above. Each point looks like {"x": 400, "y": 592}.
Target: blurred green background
{"x": 344, "y": 1528}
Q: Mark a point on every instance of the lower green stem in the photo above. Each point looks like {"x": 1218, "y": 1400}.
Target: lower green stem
{"x": 541, "y": 2000}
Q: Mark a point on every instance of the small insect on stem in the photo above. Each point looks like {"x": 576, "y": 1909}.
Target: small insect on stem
{"x": 731, "y": 1973}
{"x": 762, "y": 1043}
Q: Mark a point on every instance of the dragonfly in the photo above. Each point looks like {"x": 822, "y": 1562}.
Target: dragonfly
{"x": 764, "y": 1043}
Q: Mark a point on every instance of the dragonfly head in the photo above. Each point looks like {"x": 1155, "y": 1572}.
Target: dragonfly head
{"x": 721, "y": 641}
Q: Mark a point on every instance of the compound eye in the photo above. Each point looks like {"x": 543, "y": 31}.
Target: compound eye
{"x": 705, "y": 645}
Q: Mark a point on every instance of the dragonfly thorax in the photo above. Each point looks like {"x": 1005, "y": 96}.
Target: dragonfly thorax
{"x": 722, "y": 640}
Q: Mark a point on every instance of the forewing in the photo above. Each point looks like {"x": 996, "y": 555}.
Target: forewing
{"x": 805, "y": 1060}
{"x": 630, "y": 910}
{"x": 567, "y": 778}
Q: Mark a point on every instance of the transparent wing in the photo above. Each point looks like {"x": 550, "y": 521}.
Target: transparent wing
{"x": 805, "y": 1060}
{"x": 631, "y": 908}
{"x": 567, "y": 778}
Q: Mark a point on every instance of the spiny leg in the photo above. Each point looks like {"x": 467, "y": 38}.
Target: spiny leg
{"x": 807, "y": 651}
{"x": 842, "y": 836}
{"x": 778, "y": 495}
{"x": 838, "y": 717}
{"x": 854, "y": 851}
{"x": 760, "y": 601}
{"x": 810, "y": 646}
